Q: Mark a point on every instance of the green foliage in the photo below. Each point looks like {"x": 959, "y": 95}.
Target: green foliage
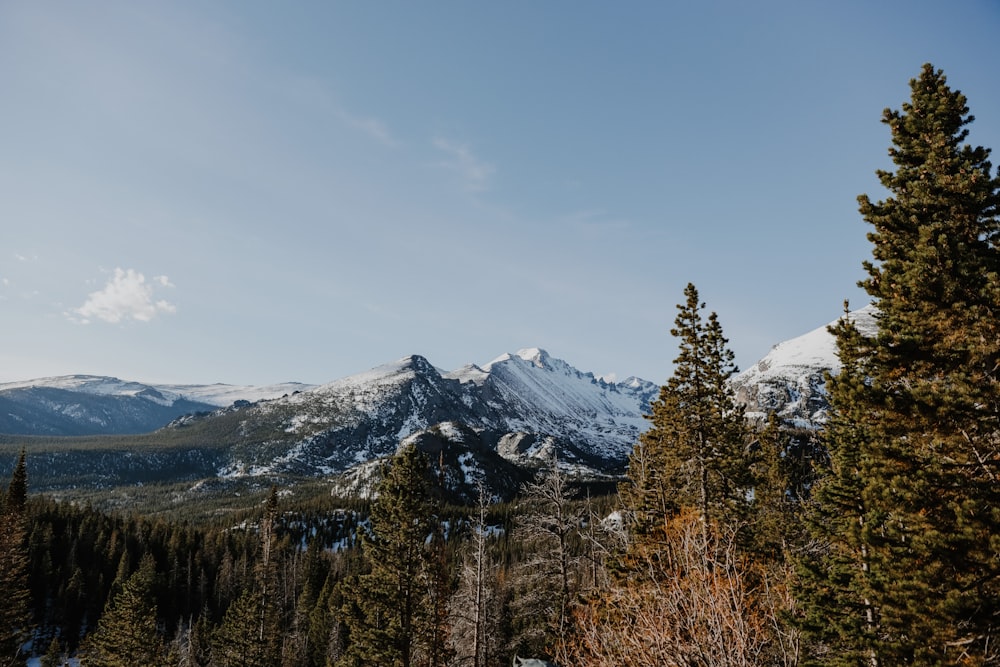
{"x": 774, "y": 510}
{"x": 247, "y": 636}
{"x": 909, "y": 515}
{"x": 386, "y": 608}
{"x": 835, "y": 583}
{"x": 127, "y": 633}
{"x": 53, "y": 655}
{"x": 695, "y": 454}
{"x": 15, "y": 611}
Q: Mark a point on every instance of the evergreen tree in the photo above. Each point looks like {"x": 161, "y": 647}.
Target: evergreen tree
{"x": 433, "y": 646}
{"x": 15, "y": 600}
{"x": 835, "y": 585}
{"x": 326, "y": 632}
{"x": 912, "y": 571}
{"x": 695, "y": 454}
{"x": 297, "y": 648}
{"x": 127, "y": 635}
{"x": 386, "y": 607}
{"x": 17, "y": 491}
{"x": 237, "y": 641}
{"x": 250, "y": 632}
{"x": 685, "y": 591}
{"x": 53, "y": 655}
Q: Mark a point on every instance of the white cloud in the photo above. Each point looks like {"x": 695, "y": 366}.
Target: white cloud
{"x": 476, "y": 172}
{"x": 127, "y": 296}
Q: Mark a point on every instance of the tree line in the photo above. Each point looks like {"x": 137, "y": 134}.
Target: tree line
{"x": 875, "y": 541}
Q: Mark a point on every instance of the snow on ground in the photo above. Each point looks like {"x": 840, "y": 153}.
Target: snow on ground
{"x": 814, "y": 350}
{"x": 220, "y": 395}
{"x": 224, "y": 395}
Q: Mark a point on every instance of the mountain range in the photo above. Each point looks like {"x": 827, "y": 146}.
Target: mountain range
{"x": 520, "y": 407}
{"x": 491, "y": 423}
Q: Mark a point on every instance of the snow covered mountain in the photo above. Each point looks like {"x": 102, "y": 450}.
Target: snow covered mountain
{"x": 791, "y": 378}
{"x": 520, "y": 408}
{"x": 515, "y": 404}
{"x": 92, "y": 405}
{"x": 488, "y": 421}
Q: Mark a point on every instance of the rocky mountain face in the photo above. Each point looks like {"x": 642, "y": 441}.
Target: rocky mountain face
{"x": 513, "y": 413}
{"x": 791, "y": 379}
{"x": 525, "y": 405}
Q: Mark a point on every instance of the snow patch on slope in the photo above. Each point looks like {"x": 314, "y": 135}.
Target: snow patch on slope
{"x": 219, "y": 395}
{"x": 791, "y": 378}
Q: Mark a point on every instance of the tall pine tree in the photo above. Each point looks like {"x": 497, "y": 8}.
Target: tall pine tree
{"x": 386, "y": 609}
{"x": 835, "y": 585}
{"x": 684, "y": 592}
{"x": 250, "y": 632}
{"x": 695, "y": 454}
{"x": 15, "y": 609}
{"x": 915, "y": 440}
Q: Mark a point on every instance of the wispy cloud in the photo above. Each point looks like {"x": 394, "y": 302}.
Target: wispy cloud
{"x": 313, "y": 93}
{"x": 373, "y": 127}
{"x": 126, "y": 296}
{"x": 474, "y": 171}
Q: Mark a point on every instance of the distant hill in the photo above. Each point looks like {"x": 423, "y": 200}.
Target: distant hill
{"x": 74, "y": 405}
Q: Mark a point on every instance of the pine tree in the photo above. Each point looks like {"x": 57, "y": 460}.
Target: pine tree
{"x": 297, "y": 649}
{"x": 684, "y": 592}
{"x": 250, "y": 632}
{"x": 913, "y": 574}
{"x": 127, "y": 635}
{"x": 433, "y": 646}
{"x": 695, "y": 453}
{"x": 15, "y": 600}
{"x": 235, "y": 642}
{"x": 835, "y": 585}
{"x": 53, "y": 655}
{"x": 386, "y": 607}
{"x": 17, "y": 491}
{"x": 326, "y": 631}
{"x": 772, "y": 511}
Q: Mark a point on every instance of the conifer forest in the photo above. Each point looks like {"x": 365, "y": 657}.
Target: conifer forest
{"x": 729, "y": 542}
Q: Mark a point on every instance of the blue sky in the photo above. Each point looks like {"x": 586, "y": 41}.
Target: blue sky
{"x": 254, "y": 192}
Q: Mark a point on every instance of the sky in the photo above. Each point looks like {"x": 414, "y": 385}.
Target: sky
{"x": 256, "y": 192}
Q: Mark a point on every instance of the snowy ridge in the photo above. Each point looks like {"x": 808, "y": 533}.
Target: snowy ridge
{"x": 222, "y": 395}
{"x": 551, "y": 397}
{"x": 219, "y": 395}
{"x": 530, "y": 395}
{"x": 97, "y": 386}
{"x": 790, "y": 380}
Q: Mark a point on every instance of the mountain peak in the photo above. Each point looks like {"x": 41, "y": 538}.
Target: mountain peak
{"x": 536, "y": 356}
{"x": 791, "y": 378}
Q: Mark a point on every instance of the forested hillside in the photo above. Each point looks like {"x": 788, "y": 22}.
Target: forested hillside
{"x": 730, "y": 542}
